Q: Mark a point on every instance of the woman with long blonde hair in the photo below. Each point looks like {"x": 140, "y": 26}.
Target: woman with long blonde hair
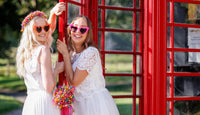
{"x": 33, "y": 61}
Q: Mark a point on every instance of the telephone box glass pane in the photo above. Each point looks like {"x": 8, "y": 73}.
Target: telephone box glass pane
{"x": 119, "y": 19}
{"x": 118, "y": 41}
{"x": 73, "y": 11}
{"x": 125, "y": 105}
{"x": 118, "y": 3}
{"x": 118, "y": 63}
{"x": 186, "y": 86}
{"x": 186, "y": 37}
{"x": 187, "y": 107}
{"x": 186, "y": 61}
{"x": 186, "y": 13}
{"x": 116, "y": 87}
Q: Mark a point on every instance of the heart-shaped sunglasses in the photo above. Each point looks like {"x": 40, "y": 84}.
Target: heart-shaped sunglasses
{"x": 74, "y": 29}
{"x": 39, "y": 28}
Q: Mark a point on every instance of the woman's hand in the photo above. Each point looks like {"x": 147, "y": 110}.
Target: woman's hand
{"x": 58, "y": 9}
{"x": 59, "y": 67}
{"x": 62, "y": 47}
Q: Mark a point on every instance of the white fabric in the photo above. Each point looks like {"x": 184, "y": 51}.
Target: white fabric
{"x": 38, "y": 101}
{"x": 91, "y": 96}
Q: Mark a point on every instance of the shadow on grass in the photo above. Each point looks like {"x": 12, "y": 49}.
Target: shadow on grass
{"x": 8, "y": 79}
{"x": 126, "y": 109}
{"x": 125, "y": 106}
{"x": 121, "y": 87}
{"x": 10, "y": 102}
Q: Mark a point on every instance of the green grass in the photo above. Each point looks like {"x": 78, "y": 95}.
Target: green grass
{"x": 7, "y": 71}
{"x": 8, "y": 103}
{"x": 119, "y": 67}
{"x": 12, "y": 83}
{"x": 118, "y": 79}
{"x": 124, "y": 106}
{"x": 120, "y": 88}
{"x": 115, "y": 63}
{"x": 116, "y": 85}
{"x": 114, "y": 58}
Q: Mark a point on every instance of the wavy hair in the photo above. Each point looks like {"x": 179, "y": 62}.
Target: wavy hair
{"x": 28, "y": 40}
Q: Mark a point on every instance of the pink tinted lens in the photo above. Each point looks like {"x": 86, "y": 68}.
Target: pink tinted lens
{"x": 83, "y": 30}
{"x": 73, "y": 28}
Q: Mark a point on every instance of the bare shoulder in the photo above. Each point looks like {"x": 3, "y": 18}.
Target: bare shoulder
{"x": 44, "y": 54}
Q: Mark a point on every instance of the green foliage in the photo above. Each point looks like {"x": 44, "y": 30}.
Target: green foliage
{"x": 12, "y": 14}
{"x": 118, "y": 19}
{"x": 8, "y": 103}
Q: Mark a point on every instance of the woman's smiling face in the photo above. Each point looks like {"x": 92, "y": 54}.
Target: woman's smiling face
{"x": 77, "y": 37}
{"x": 40, "y": 36}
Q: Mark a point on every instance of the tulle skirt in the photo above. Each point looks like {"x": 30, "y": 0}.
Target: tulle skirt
{"x": 39, "y": 103}
{"x": 99, "y": 103}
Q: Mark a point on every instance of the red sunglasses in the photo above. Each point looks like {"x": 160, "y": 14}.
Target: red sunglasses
{"x": 74, "y": 29}
{"x": 39, "y": 28}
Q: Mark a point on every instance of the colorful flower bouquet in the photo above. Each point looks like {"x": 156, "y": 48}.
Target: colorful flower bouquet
{"x": 63, "y": 96}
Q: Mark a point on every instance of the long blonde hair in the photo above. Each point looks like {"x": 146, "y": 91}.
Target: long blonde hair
{"x": 26, "y": 46}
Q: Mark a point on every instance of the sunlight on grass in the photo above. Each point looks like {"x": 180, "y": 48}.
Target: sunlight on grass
{"x": 3, "y": 61}
{"x": 8, "y": 72}
{"x": 113, "y": 58}
{"x": 120, "y": 85}
{"x": 119, "y": 67}
{"x": 12, "y": 83}
{"x": 120, "y": 93}
{"x": 54, "y": 57}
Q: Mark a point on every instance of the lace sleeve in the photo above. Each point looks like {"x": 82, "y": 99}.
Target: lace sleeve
{"x": 87, "y": 59}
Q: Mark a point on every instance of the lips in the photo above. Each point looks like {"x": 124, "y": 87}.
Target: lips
{"x": 77, "y": 36}
{"x": 42, "y": 35}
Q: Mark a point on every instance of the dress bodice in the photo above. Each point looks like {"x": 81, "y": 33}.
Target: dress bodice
{"x": 88, "y": 60}
{"x": 33, "y": 78}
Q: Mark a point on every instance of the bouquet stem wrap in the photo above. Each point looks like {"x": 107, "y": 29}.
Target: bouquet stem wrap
{"x": 63, "y": 97}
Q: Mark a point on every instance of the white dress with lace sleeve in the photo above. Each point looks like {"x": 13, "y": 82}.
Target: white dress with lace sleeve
{"x": 91, "y": 96}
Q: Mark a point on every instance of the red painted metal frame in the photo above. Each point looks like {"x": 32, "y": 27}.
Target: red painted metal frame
{"x": 171, "y": 74}
{"x": 61, "y": 35}
{"x": 155, "y": 54}
{"x": 103, "y": 29}
{"x": 90, "y": 9}
{"x": 153, "y": 50}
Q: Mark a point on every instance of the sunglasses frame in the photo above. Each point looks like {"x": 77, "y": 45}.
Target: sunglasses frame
{"x": 42, "y": 27}
{"x": 78, "y": 28}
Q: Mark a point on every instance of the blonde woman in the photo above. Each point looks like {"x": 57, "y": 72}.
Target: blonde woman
{"x": 34, "y": 64}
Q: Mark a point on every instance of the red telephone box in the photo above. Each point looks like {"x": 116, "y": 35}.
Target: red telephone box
{"x": 159, "y": 45}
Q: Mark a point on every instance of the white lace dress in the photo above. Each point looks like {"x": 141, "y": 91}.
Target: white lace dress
{"x": 38, "y": 101}
{"x": 91, "y": 96}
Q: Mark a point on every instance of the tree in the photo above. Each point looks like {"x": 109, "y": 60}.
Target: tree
{"x": 12, "y": 14}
